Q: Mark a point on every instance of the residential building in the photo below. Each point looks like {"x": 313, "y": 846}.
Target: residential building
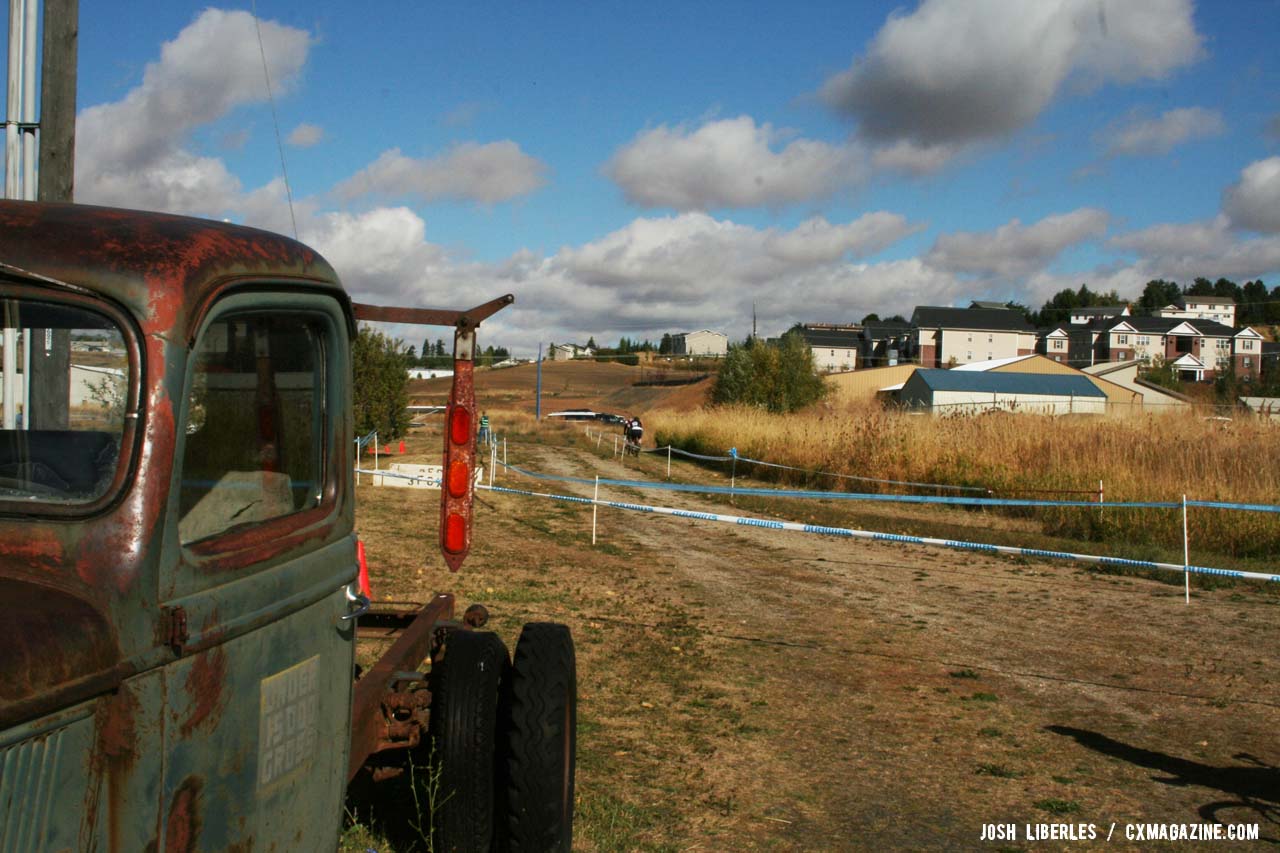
{"x": 1082, "y": 316}
{"x": 565, "y": 352}
{"x": 701, "y": 342}
{"x": 884, "y": 343}
{"x": 1246, "y": 353}
{"x": 834, "y": 348}
{"x": 1220, "y": 309}
{"x": 944, "y": 337}
{"x": 1198, "y": 349}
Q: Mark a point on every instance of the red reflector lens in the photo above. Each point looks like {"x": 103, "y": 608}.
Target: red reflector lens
{"x": 455, "y": 533}
{"x": 459, "y": 425}
{"x": 459, "y": 478}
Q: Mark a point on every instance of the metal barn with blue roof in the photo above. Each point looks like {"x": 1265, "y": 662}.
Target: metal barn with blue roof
{"x": 957, "y": 391}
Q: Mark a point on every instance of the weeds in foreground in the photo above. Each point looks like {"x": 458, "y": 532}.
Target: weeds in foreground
{"x": 425, "y": 825}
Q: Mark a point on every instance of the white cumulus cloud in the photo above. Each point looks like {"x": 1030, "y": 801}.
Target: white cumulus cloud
{"x": 1210, "y": 248}
{"x": 1137, "y": 135}
{"x": 731, "y": 163}
{"x": 1015, "y": 250}
{"x": 1253, "y": 202}
{"x": 305, "y": 135}
{"x": 488, "y": 173}
{"x": 960, "y": 71}
{"x": 131, "y": 152}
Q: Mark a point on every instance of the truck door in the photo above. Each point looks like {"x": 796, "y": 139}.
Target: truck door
{"x": 259, "y": 554}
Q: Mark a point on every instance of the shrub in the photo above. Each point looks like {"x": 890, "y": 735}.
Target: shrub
{"x": 379, "y": 368}
{"x": 777, "y": 376}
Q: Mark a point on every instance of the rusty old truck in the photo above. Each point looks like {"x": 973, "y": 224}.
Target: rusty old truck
{"x": 179, "y": 561}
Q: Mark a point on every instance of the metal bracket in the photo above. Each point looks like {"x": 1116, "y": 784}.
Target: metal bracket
{"x": 173, "y": 628}
{"x": 468, "y": 319}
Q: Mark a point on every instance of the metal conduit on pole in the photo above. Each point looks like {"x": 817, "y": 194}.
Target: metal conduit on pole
{"x": 13, "y": 105}
{"x": 28, "y": 110}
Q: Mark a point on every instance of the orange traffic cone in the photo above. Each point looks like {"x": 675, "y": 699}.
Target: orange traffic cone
{"x": 402, "y": 447}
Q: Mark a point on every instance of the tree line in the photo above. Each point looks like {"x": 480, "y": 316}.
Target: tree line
{"x": 1255, "y": 305}
{"x": 436, "y": 355}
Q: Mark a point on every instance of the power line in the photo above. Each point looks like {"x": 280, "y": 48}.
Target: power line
{"x": 275, "y": 121}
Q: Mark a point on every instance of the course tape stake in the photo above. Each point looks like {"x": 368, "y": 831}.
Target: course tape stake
{"x": 954, "y": 544}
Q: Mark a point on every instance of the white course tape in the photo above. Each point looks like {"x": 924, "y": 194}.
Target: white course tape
{"x": 895, "y": 537}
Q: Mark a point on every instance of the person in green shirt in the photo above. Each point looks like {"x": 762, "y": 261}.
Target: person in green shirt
{"x": 484, "y": 428}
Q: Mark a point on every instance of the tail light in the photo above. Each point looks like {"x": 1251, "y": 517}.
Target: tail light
{"x": 459, "y": 454}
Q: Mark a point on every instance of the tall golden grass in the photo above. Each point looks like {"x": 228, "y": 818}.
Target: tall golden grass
{"x": 1138, "y": 459}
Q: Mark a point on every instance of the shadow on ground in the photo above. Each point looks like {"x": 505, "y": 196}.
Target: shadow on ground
{"x": 1252, "y": 787}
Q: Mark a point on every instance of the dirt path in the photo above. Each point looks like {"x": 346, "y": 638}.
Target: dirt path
{"x": 745, "y": 688}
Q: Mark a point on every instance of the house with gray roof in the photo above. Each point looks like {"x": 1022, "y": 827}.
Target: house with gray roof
{"x": 943, "y": 337}
{"x": 834, "y": 348}
{"x": 1198, "y": 349}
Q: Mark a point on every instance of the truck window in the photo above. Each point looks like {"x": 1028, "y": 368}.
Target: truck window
{"x": 64, "y": 380}
{"x": 254, "y": 443}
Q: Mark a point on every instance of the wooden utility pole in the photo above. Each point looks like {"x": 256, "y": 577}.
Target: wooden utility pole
{"x": 58, "y": 100}
{"x": 51, "y": 348}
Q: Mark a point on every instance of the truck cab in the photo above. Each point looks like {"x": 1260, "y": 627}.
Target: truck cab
{"x": 177, "y": 542}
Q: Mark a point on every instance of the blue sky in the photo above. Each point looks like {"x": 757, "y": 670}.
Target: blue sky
{"x": 640, "y": 168}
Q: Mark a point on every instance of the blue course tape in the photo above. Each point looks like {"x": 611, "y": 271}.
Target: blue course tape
{"x": 913, "y": 499}
{"x": 845, "y": 496}
{"x": 954, "y": 544}
{"x": 816, "y": 473}
{"x": 1224, "y": 505}
{"x": 821, "y": 473}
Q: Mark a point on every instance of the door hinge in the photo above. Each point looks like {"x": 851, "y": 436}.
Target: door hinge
{"x": 173, "y": 628}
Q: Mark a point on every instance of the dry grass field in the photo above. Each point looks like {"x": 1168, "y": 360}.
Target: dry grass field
{"x": 1153, "y": 458}
{"x": 743, "y": 688}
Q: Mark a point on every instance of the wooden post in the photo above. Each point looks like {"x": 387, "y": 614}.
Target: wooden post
{"x": 51, "y": 348}
{"x": 58, "y": 100}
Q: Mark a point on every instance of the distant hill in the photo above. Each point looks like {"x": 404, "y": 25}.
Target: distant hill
{"x": 602, "y": 386}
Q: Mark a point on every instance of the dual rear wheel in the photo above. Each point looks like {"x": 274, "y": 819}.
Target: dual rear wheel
{"x": 503, "y": 740}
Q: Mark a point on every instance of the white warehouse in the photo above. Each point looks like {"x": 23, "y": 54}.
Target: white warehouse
{"x": 946, "y": 392}
{"x": 701, "y": 342}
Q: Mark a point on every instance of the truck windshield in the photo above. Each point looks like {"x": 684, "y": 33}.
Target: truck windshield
{"x": 65, "y": 380}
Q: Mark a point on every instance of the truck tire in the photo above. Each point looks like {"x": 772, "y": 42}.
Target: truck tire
{"x": 539, "y": 719}
{"x": 462, "y": 729}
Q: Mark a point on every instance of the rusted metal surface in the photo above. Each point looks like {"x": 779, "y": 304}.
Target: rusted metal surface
{"x": 387, "y": 619}
{"x": 206, "y": 684}
{"x": 469, "y": 318}
{"x": 182, "y": 826}
{"x": 169, "y": 640}
{"x": 154, "y": 264}
{"x": 113, "y": 758}
{"x": 57, "y": 648}
{"x": 373, "y": 725}
{"x": 155, "y": 275}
